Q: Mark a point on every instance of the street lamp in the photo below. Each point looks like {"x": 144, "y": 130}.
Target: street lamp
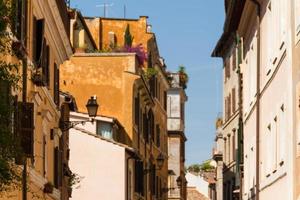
{"x": 179, "y": 181}
{"x": 159, "y": 161}
{"x": 92, "y": 108}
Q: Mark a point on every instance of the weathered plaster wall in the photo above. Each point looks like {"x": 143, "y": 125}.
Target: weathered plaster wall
{"x": 110, "y": 77}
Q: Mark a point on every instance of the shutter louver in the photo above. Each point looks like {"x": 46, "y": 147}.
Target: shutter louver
{"x": 56, "y": 84}
{"x": 39, "y": 36}
{"x": 25, "y": 124}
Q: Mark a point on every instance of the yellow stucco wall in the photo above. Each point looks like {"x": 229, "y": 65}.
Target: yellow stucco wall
{"x": 100, "y": 28}
{"x": 110, "y": 77}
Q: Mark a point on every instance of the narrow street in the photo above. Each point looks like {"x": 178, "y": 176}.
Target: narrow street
{"x": 149, "y": 100}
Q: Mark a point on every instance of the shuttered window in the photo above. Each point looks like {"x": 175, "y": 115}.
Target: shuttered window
{"x": 153, "y": 86}
{"x": 45, "y": 64}
{"x": 153, "y": 176}
{"x": 145, "y": 127}
{"x": 19, "y": 24}
{"x": 234, "y": 59}
{"x": 165, "y": 100}
{"x": 157, "y": 135}
{"x": 136, "y": 110}
{"x": 4, "y": 103}
{"x": 151, "y": 124}
{"x": 25, "y": 126}
{"x": 57, "y": 167}
{"x": 139, "y": 177}
{"x": 56, "y": 85}
{"x": 38, "y": 37}
{"x": 233, "y": 100}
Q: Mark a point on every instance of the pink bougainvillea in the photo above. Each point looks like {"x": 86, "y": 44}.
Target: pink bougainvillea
{"x": 140, "y": 53}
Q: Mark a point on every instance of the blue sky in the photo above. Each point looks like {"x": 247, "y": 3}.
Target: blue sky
{"x": 186, "y": 32}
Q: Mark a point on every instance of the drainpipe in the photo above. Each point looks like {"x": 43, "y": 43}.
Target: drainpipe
{"x": 258, "y": 11}
{"x": 24, "y": 96}
{"x": 132, "y": 157}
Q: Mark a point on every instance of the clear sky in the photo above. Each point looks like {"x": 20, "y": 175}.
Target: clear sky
{"x": 186, "y": 32}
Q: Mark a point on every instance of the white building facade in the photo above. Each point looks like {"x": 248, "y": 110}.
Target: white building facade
{"x": 176, "y": 99}
{"x": 102, "y": 165}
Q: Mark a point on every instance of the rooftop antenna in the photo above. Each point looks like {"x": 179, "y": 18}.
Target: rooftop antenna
{"x": 124, "y": 11}
{"x": 105, "y": 8}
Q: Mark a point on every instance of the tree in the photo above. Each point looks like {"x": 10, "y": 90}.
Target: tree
{"x": 128, "y": 38}
{"x": 195, "y": 168}
{"x": 9, "y": 79}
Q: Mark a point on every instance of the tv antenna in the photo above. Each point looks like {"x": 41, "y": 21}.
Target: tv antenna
{"x": 105, "y": 8}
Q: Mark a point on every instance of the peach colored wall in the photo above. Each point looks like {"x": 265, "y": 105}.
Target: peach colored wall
{"x": 118, "y": 26}
{"x": 100, "y": 166}
{"x": 111, "y": 77}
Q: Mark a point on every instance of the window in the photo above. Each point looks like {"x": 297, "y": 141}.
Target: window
{"x": 233, "y": 146}
{"x": 227, "y": 68}
{"x": 105, "y": 130}
{"x": 233, "y": 100}
{"x": 45, "y": 64}
{"x": 145, "y": 127}
{"x": 37, "y": 39}
{"x": 25, "y": 126}
{"x": 112, "y": 39}
{"x": 136, "y": 110}
{"x": 151, "y": 125}
{"x": 57, "y": 167}
{"x": 234, "y": 59}
{"x": 165, "y": 100}
{"x": 139, "y": 177}
{"x": 56, "y": 85}
{"x": 157, "y": 135}
{"x": 19, "y": 24}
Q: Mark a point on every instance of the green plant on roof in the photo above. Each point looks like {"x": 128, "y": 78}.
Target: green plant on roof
{"x": 150, "y": 72}
{"x": 183, "y": 76}
{"x": 128, "y": 38}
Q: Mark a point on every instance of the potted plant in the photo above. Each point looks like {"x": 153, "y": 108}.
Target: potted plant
{"x": 48, "y": 187}
{"x": 183, "y": 77}
{"x": 74, "y": 179}
{"x": 149, "y": 73}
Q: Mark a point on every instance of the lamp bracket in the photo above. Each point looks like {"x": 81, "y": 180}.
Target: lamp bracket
{"x": 66, "y": 125}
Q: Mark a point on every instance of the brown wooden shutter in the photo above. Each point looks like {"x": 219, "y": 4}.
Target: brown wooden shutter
{"x": 228, "y": 66}
{"x": 226, "y": 107}
{"x": 233, "y": 100}
{"x": 229, "y": 105}
{"x": 165, "y": 100}
{"x": 157, "y": 136}
{"x": 234, "y": 59}
{"x": 33, "y": 44}
{"x": 24, "y": 122}
{"x": 56, "y": 84}
{"x": 55, "y": 167}
{"x": 136, "y": 110}
{"x": 145, "y": 127}
{"x": 139, "y": 177}
{"x": 39, "y": 37}
{"x": 45, "y": 64}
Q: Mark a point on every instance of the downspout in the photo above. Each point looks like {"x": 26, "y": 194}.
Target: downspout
{"x": 24, "y": 92}
{"x": 240, "y": 129}
{"x": 258, "y": 11}
{"x": 127, "y": 171}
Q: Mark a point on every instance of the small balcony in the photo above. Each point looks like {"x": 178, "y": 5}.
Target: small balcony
{"x": 217, "y": 155}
